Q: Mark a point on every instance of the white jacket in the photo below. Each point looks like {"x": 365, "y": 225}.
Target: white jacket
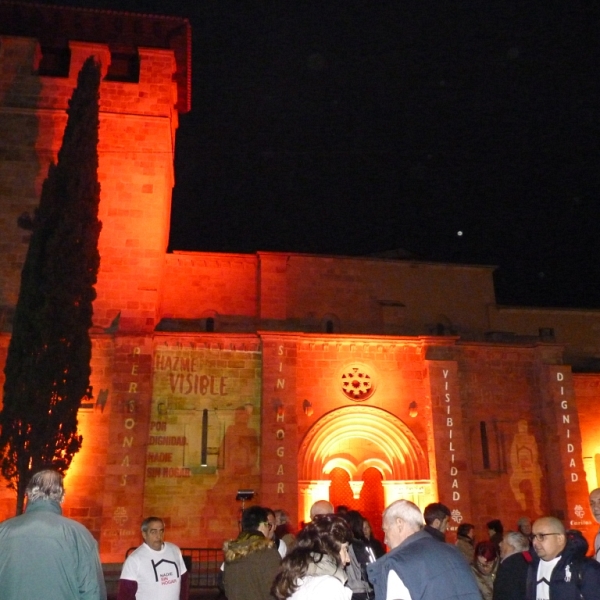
{"x": 321, "y": 587}
{"x": 323, "y": 581}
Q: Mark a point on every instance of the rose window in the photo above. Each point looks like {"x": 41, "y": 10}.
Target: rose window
{"x": 357, "y": 383}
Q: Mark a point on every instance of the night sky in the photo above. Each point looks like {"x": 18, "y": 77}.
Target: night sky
{"x": 454, "y": 131}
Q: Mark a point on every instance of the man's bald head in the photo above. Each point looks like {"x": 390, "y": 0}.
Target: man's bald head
{"x": 321, "y": 507}
{"x": 551, "y": 523}
{"x": 549, "y": 539}
{"x": 595, "y": 503}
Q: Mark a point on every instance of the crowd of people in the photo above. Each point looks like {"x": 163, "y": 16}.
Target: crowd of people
{"x": 336, "y": 557}
{"x": 332, "y": 557}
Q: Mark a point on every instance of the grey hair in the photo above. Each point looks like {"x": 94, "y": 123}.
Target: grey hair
{"x": 282, "y": 515}
{"x": 146, "y": 523}
{"x": 46, "y": 485}
{"x": 517, "y": 540}
{"x": 406, "y": 510}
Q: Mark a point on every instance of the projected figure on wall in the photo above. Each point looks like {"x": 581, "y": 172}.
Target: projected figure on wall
{"x": 240, "y": 445}
{"x": 525, "y": 467}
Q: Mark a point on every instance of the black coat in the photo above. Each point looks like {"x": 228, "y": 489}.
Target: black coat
{"x": 436, "y": 534}
{"x": 574, "y": 576}
{"x": 511, "y": 579}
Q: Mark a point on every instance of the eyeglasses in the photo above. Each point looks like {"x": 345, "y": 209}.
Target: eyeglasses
{"x": 540, "y": 537}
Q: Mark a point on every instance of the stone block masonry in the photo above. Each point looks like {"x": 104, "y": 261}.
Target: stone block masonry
{"x": 137, "y": 127}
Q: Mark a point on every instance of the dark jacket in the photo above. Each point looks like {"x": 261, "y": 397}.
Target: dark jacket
{"x": 436, "y": 534}
{"x": 574, "y": 576}
{"x": 430, "y": 570}
{"x": 511, "y": 579}
{"x": 251, "y": 563}
{"x": 360, "y": 555}
{"x": 496, "y": 538}
{"x": 464, "y": 544}
{"x": 376, "y": 546}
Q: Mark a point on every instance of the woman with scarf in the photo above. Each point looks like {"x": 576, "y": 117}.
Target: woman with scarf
{"x": 314, "y": 569}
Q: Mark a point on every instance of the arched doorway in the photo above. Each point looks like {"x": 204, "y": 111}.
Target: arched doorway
{"x": 370, "y": 501}
{"x": 358, "y": 448}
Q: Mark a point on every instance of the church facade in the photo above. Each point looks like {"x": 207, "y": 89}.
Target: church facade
{"x": 300, "y": 377}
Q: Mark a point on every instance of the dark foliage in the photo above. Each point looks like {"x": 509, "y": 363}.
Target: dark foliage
{"x": 48, "y": 364}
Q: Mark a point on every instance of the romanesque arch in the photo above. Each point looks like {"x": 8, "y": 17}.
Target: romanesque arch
{"x": 356, "y": 438}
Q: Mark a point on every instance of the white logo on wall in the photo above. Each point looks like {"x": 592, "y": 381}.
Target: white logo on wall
{"x": 120, "y": 516}
{"x": 579, "y": 511}
{"x": 456, "y": 515}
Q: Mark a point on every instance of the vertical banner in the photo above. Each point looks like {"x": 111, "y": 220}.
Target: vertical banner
{"x": 279, "y": 477}
{"x": 574, "y": 510}
{"x": 449, "y": 441}
{"x": 126, "y": 457}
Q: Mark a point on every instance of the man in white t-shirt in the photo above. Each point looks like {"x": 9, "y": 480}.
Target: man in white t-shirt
{"x": 155, "y": 570}
{"x": 595, "y": 506}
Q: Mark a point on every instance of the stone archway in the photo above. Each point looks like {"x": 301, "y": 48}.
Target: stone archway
{"x": 355, "y": 439}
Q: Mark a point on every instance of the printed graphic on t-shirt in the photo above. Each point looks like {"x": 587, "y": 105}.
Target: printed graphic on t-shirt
{"x": 542, "y": 589}
{"x": 166, "y": 572}
{"x": 544, "y": 576}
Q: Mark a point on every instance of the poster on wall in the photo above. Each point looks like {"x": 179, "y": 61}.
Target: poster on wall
{"x": 205, "y": 414}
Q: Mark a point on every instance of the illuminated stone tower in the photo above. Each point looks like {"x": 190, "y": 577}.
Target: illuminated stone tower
{"x": 146, "y": 85}
{"x": 146, "y": 70}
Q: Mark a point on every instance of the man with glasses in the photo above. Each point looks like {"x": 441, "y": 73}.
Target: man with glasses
{"x": 595, "y": 506}
{"x": 561, "y": 571}
{"x": 251, "y": 560}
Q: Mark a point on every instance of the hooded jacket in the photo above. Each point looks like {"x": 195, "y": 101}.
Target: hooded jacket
{"x": 573, "y": 577}
{"x": 251, "y": 563}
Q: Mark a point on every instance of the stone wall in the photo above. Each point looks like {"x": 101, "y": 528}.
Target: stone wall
{"x": 137, "y": 134}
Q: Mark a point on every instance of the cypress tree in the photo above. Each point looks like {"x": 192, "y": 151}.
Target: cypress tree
{"x": 48, "y": 364}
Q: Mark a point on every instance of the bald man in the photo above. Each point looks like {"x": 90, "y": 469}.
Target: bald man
{"x": 321, "y": 507}
{"x": 561, "y": 570}
{"x": 595, "y": 506}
